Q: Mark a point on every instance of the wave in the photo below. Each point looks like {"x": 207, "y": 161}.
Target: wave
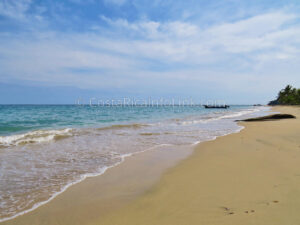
{"x": 41, "y": 136}
{"x": 237, "y": 114}
{"x": 38, "y": 136}
{"x": 81, "y": 178}
{"x": 214, "y": 118}
{"x": 149, "y": 134}
{"x": 64, "y": 188}
{"x": 121, "y": 126}
{"x": 48, "y": 135}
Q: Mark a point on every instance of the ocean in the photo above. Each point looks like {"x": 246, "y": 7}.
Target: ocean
{"x": 44, "y": 149}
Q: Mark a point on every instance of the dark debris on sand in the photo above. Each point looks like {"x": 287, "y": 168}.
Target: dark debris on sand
{"x": 270, "y": 117}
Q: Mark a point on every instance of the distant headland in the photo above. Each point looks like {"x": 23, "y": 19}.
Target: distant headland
{"x": 287, "y": 96}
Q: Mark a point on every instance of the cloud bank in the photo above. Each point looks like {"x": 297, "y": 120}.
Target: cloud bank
{"x": 240, "y": 55}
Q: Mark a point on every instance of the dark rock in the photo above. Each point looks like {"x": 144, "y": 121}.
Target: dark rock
{"x": 270, "y": 117}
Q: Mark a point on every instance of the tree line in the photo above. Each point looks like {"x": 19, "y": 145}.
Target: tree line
{"x": 287, "y": 96}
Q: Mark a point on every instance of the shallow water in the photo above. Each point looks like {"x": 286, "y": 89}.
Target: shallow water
{"x": 45, "y": 149}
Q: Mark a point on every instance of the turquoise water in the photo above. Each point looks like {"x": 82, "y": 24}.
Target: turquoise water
{"x": 46, "y": 148}
{"x": 23, "y": 118}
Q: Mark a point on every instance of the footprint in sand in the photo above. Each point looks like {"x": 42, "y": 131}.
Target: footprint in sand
{"x": 252, "y": 211}
{"x": 227, "y": 210}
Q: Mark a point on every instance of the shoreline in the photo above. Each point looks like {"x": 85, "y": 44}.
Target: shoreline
{"x": 136, "y": 196}
{"x": 251, "y": 177}
{"x": 164, "y": 158}
{"x": 103, "y": 170}
{"x": 83, "y": 178}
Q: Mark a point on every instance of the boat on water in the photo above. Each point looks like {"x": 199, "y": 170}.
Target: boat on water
{"x": 216, "y": 106}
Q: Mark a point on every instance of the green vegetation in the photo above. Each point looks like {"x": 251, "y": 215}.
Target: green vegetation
{"x": 287, "y": 96}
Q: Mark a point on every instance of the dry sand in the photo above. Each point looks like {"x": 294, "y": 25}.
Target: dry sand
{"x": 252, "y": 177}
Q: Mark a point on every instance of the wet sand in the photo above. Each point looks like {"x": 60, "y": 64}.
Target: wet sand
{"x": 95, "y": 197}
{"x": 251, "y": 177}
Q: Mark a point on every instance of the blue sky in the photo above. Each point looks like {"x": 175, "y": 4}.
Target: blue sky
{"x": 236, "y": 51}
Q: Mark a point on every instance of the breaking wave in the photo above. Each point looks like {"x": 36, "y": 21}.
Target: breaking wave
{"x": 37, "y": 136}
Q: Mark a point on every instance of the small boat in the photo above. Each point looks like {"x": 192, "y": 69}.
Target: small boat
{"x": 216, "y": 106}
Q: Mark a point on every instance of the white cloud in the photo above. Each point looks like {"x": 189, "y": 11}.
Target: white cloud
{"x": 253, "y": 34}
{"x": 254, "y": 26}
{"x": 14, "y": 9}
{"x": 180, "y": 29}
{"x": 154, "y": 29}
{"x": 115, "y": 2}
{"x": 256, "y": 33}
{"x": 249, "y": 50}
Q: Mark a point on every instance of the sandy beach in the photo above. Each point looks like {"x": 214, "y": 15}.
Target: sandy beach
{"x": 250, "y": 177}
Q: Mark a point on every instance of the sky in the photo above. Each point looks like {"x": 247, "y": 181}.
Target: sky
{"x": 236, "y": 51}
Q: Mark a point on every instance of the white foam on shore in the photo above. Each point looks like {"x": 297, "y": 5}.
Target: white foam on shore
{"x": 228, "y": 116}
{"x": 37, "y": 136}
{"x": 82, "y": 178}
{"x": 122, "y": 156}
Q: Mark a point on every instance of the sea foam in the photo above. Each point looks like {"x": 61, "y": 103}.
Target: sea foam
{"x": 37, "y": 136}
